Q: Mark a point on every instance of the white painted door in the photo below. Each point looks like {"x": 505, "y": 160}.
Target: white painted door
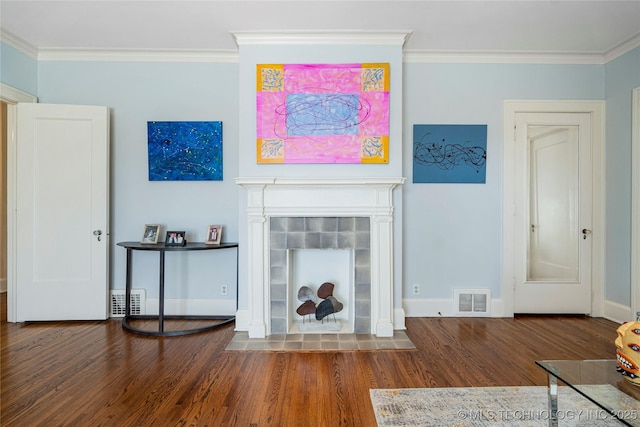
{"x": 553, "y": 272}
{"x": 62, "y": 208}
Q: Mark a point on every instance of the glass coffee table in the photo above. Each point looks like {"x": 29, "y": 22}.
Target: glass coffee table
{"x": 598, "y": 381}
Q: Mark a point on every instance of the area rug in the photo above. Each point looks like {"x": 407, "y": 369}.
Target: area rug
{"x": 490, "y": 406}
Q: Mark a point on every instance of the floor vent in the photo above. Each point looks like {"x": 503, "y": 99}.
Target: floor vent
{"x": 119, "y": 298}
{"x": 472, "y": 302}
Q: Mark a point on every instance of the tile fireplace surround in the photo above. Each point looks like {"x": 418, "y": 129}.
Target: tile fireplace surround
{"x": 300, "y": 233}
{"x": 347, "y": 198}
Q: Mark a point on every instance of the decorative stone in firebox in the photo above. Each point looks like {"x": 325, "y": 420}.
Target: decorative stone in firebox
{"x": 287, "y": 233}
{"x": 308, "y": 310}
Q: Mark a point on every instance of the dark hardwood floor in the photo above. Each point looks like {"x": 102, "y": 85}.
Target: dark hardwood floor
{"x": 96, "y": 374}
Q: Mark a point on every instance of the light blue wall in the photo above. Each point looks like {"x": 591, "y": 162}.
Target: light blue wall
{"x": 622, "y": 75}
{"x": 18, "y": 70}
{"x": 453, "y": 232}
{"x": 137, "y": 92}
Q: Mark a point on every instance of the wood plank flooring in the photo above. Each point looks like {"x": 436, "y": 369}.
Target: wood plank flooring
{"x": 97, "y": 374}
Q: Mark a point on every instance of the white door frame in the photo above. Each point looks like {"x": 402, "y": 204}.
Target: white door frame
{"x": 12, "y": 96}
{"x": 597, "y": 111}
{"x": 635, "y": 203}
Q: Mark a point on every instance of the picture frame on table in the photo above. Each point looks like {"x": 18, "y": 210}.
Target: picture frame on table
{"x": 214, "y": 235}
{"x": 175, "y": 238}
{"x": 150, "y": 234}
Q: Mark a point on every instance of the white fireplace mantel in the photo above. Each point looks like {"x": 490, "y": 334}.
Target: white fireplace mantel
{"x": 308, "y": 197}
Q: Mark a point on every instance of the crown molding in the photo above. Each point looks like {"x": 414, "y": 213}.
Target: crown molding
{"x": 138, "y": 55}
{"x": 12, "y": 95}
{"x": 622, "y": 48}
{"x": 395, "y": 38}
{"x": 421, "y": 56}
{"x": 18, "y": 44}
{"x": 329, "y": 37}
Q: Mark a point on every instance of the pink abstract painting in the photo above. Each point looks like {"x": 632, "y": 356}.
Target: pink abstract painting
{"x": 323, "y": 113}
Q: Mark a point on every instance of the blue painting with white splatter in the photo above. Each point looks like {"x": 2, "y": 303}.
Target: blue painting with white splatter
{"x": 185, "y": 151}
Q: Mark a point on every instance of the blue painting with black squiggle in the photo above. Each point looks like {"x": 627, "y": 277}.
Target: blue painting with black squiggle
{"x": 185, "y": 151}
{"x": 449, "y": 153}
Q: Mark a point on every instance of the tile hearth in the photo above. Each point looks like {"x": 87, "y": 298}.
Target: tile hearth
{"x": 320, "y": 342}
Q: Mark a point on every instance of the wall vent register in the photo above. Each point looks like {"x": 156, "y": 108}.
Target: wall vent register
{"x": 472, "y": 302}
{"x": 118, "y": 302}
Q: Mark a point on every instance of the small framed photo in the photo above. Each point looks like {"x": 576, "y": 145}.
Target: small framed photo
{"x": 214, "y": 234}
{"x": 175, "y": 238}
{"x": 150, "y": 234}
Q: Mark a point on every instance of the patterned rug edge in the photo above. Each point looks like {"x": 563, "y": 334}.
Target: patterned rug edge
{"x": 525, "y": 406}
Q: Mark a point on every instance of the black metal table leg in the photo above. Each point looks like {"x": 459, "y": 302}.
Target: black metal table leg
{"x": 161, "y": 290}
{"x": 127, "y": 293}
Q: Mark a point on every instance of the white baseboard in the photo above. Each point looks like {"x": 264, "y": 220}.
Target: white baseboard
{"x": 242, "y": 320}
{"x": 424, "y": 307}
{"x": 617, "y": 312}
{"x": 192, "y": 307}
{"x": 443, "y": 307}
{"x": 398, "y": 319}
{"x": 243, "y": 323}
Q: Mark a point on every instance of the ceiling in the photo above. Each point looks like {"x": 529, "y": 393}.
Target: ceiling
{"x": 567, "y": 27}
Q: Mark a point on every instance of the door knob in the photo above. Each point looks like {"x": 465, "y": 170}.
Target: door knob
{"x": 98, "y": 233}
{"x": 585, "y": 233}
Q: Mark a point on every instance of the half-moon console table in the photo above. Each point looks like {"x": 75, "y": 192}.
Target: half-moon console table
{"x": 161, "y": 248}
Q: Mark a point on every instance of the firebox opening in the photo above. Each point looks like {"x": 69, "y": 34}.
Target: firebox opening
{"x": 311, "y": 268}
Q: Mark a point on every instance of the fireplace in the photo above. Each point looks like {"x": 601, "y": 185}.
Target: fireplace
{"x": 355, "y": 214}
